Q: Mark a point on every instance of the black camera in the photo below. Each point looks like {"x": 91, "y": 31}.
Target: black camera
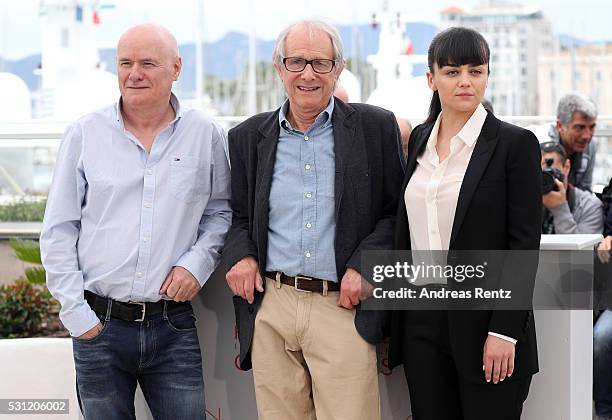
{"x": 549, "y": 174}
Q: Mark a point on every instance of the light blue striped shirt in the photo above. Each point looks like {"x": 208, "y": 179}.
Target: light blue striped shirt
{"x": 302, "y": 224}
{"x": 118, "y": 218}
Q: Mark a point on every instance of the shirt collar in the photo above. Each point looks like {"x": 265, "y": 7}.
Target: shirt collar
{"x": 323, "y": 119}
{"x": 176, "y": 105}
{"x": 174, "y": 102}
{"x": 472, "y": 128}
{"x": 468, "y": 134}
{"x": 433, "y": 137}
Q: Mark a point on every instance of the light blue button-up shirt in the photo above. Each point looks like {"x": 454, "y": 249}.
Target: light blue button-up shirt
{"x": 302, "y": 224}
{"x": 118, "y": 218}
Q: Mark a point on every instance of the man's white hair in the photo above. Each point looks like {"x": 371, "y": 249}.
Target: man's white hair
{"x": 575, "y": 102}
{"x": 313, "y": 25}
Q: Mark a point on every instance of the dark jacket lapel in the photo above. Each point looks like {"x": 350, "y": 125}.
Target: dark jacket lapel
{"x": 416, "y": 147}
{"x": 344, "y": 136}
{"x": 266, "y": 152}
{"x": 415, "y": 151}
{"x": 483, "y": 150}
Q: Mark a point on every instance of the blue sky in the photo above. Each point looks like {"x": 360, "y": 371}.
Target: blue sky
{"x": 20, "y": 33}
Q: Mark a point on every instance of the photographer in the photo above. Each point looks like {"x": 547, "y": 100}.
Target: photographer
{"x": 567, "y": 209}
{"x": 605, "y": 247}
{"x": 573, "y": 130}
{"x": 606, "y": 198}
{"x": 602, "y": 330}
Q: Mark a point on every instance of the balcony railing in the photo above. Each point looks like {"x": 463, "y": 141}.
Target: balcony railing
{"x": 28, "y": 151}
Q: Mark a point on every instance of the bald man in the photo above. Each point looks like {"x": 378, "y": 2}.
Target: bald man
{"x": 137, "y": 213}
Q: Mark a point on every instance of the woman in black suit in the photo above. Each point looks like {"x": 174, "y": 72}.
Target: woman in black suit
{"x": 472, "y": 182}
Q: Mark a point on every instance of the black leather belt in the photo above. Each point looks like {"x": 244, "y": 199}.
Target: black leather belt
{"x": 130, "y": 311}
{"x": 304, "y": 283}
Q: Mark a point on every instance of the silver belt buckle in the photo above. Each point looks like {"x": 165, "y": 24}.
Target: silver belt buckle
{"x": 144, "y": 310}
{"x": 295, "y": 283}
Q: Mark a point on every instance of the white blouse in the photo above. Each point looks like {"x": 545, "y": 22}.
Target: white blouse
{"x": 433, "y": 190}
{"x": 432, "y": 193}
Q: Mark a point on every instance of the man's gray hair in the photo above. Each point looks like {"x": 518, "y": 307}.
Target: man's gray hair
{"x": 575, "y": 102}
{"x": 312, "y": 25}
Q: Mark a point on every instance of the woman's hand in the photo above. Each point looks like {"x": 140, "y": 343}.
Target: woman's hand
{"x": 497, "y": 359}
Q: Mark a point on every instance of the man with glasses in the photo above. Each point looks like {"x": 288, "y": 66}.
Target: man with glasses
{"x": 573, "y": 130}
{"x": 314, "y": 184}
{"x": 567, "y": 209}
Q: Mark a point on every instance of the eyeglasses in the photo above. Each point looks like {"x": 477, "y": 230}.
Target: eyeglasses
{"x": 319, "y": 65}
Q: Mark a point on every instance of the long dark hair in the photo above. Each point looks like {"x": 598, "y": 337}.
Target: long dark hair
{"x": 455, "y": 46}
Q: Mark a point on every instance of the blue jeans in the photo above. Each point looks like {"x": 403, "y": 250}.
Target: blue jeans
{"x": 602, "y": 364}
{"x": 162, "y": 354}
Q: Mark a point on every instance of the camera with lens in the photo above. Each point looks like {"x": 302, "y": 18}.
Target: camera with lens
{"x": 549, "y": 174}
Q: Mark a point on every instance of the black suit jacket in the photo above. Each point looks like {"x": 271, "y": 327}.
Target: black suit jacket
{"x": 369, "y": 172}
{"x": 499, "y": 208}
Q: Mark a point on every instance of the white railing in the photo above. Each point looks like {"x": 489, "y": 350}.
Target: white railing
{"x": 32, "y": 130}
{"x": 29, "y": 171}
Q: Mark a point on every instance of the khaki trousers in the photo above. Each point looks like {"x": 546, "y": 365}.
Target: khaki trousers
{"x": 309, "y": 362}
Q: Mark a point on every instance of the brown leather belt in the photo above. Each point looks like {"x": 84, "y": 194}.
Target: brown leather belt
{"x": 304, "y": 283}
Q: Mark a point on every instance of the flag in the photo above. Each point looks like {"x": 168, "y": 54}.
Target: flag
{"x": 79, "y": 13}
{"x": 409, "y": 47}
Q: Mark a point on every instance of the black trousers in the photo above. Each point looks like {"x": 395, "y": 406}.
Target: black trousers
{"x": 437, "y": 390}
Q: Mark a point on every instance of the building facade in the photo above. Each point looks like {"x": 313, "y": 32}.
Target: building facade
{"x": 586, "y": 69}
{"x": 517, "y": 35}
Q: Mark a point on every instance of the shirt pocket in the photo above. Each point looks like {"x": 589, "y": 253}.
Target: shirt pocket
{"x": 100, "y": 174}
{"x": 189, "y": 179}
